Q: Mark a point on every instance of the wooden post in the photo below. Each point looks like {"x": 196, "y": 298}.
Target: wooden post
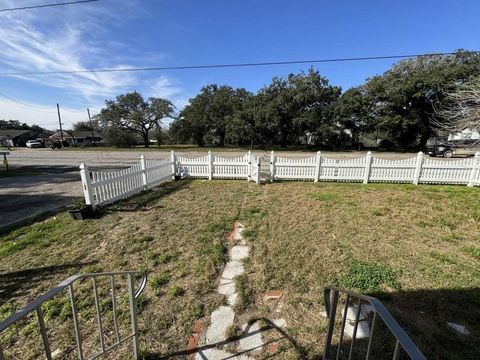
{"x": 474, "y": 172}
{"x": 318, "y": 160}
{"x": 174, "y": 164}
{"x": 272, "y": 166}
{"x": 368, "y": 165}
{"x": 144, "y": 171}
{"x": 210, "y": 165}
{"x": 259, "y": 162}
{"x": 249, "y": 167}
{"x": 86, "y": 184}
{"x": 418, "y": 168}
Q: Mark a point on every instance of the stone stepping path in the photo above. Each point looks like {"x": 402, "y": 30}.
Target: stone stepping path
{"x": 223, "y": 317}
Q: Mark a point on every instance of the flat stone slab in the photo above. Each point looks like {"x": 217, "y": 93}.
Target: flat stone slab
{"x": 251, "y": 339}
{"x": 280, "y": 322}
{"x": 232, "y": 299}
{"x": 239, "y": 252}
{"x": 220, "y": 320}
{"x": 233, "y": 269}
{"x": 217, "y": 354}
{"x": 459, "y": 329}
{"x": 226, "y": 289}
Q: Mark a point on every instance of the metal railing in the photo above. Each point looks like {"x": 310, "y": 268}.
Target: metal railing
{"x": 68, "y": 284}
{"x": 356, "y": 305}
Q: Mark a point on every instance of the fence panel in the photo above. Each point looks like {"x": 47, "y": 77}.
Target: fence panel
{"x": 107, "y": 186}
{"x": 389, "y": 170}
{"x": 437, "y": 171}
{"x": 231, "y": 167}
{"x": 294, "y": 168}
{"x": 193, "y": 166}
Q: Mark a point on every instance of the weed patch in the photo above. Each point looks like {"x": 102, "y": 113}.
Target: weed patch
{"x": 369, "y": 277}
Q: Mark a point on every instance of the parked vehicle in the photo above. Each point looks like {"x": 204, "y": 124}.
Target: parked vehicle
{"x": 444, "y": 148}
{"x": 34, "y": 144}
{"x": 58, "y": 144}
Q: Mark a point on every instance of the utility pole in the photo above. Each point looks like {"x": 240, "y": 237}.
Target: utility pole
{"x": 91, "y": 124}
{"x": 60, "y": 122}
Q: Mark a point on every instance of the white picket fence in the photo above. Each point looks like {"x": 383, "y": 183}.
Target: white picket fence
{"x": 416, "y": 170}
{"x": 213, "y": 166}
{"x": 105, "y": 187}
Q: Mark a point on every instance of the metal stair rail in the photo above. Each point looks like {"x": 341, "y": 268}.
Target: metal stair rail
{"x": 68, "y": 285}
{"x": 357, "y": 302}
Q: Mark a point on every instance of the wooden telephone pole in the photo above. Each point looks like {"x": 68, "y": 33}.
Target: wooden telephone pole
{"x": 91, "y": 124}
{"x": 60, "y": 123}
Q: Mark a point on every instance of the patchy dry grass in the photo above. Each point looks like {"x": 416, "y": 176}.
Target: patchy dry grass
{"x": 178, "y": 235}
{"x": 415, "y": 247}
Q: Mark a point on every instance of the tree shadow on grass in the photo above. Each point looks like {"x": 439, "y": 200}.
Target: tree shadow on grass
{"x": 275, "y": 335}
{"x": 19, "y": 283}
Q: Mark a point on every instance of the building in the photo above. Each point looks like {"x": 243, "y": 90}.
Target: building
{"x": 78, "y": 138}
{"x": 15, "y": 138}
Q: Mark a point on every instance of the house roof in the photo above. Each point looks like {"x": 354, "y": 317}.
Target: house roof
{"x": 12, "y": 133}
{"x": 84, "y": 134}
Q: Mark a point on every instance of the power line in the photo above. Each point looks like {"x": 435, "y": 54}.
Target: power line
{"x": 233, "y": 65}
{"x": 48, "y": 5}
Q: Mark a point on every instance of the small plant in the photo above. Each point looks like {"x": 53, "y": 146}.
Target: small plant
{"x": 473, "y": 251}
{"x": 380, "y": 211}
{"x": 176, "y": 291}
{"x": 232, "y": 332}
{"x": 244, "y": 292}
{"x": 158, "y": 281}
{"x": 368, "y": 277}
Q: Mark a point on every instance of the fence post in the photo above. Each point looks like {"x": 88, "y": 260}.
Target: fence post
{"x": 174, "y": 164}
{"x": 144, "y": 171}
{"x": 474, "y": 171}
{"x": 272, "y": 166}
{"x": 418, "y": 168}
{"x": 368, "y": 165}
{"x": 318, "y": 159}
{"x": 259, "y": 162}
{"x": 210, "y": 165}
{"x": 249, "y": 167}
{"x": 86, "y": 184}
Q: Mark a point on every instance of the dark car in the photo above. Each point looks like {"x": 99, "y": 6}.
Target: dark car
{"x": 58, "y": 144}
{"x": 449, "y": 148}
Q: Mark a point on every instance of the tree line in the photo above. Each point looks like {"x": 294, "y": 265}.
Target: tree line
{"x": 396, "y": 109}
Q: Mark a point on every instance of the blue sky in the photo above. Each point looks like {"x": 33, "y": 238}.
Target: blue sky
{"x": 117, "y": 33}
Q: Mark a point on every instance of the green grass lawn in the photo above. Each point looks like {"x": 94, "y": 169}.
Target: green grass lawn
{"x": 415, "y": 247}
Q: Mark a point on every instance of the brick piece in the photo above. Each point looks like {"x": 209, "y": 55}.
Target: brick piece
{"x": 197, "y": 326}
{"x": 272, "y": 294}
{"x": 272, "y": 348}
{"x": 193, "y": 342}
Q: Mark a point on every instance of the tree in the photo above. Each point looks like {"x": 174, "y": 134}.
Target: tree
{"x": 402, "y": 100}
{"x": 460, "y": 109}
{"x": 131, "y": 112}
{"x": 83, "y": 126}
{"x": 302, "y": 103}
{"x": 209, "y": 114}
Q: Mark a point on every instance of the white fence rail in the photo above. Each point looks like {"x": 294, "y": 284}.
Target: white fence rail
{"x": 416, "y": 170}
{"x": 105, "y": 187}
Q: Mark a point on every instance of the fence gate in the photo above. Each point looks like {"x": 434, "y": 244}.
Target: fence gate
{"x": 255, "y": 170}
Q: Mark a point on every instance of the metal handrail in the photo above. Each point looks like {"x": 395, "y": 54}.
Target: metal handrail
{"x": 403, "y": 341}
{"x": 36, "y": 305}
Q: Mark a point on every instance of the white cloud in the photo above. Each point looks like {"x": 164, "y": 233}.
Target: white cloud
{"x": 75, "y": 37}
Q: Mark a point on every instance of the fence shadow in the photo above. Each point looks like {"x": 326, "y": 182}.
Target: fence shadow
{"x": 276, "y": 334}
{"x": 19, "y": 283}
{"x": 424, "y": 315}
{"x": 147, "y": 199}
